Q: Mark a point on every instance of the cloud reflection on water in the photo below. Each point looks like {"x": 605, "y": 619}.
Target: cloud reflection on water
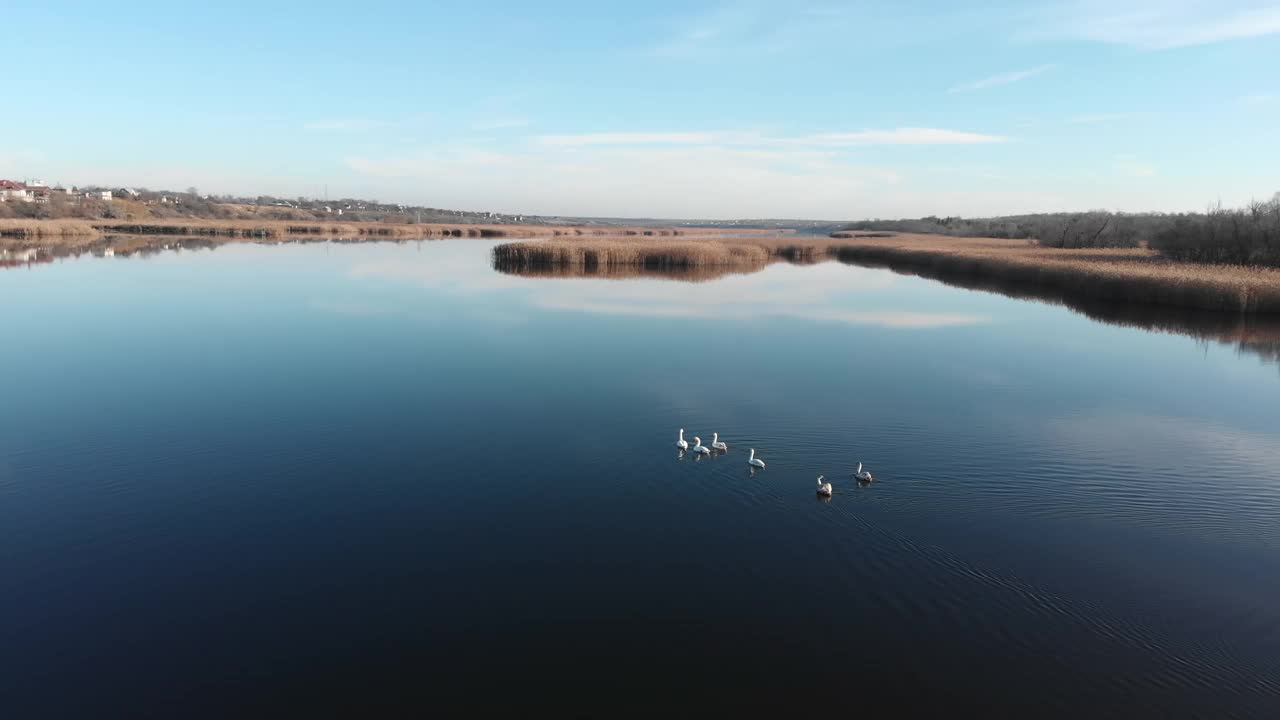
{"x": 825, "y": 292}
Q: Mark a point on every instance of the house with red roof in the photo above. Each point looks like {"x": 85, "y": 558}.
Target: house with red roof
{"x": 15, "y": 191}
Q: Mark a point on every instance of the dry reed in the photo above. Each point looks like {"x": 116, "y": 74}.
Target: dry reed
{"x": 1133, "y": 275}
{"x": 592, "y": 255}
{"x": 46, "y": 229}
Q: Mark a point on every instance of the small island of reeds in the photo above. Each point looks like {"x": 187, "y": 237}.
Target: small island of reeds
{"x": 1127, "y": 275}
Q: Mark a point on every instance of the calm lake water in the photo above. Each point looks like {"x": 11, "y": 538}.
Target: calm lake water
{"x": 338, "y": 478}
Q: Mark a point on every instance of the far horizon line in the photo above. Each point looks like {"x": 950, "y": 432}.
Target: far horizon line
{"x": 638, "y": 219}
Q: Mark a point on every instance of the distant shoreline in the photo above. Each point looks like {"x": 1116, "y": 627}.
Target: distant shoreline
{"x": 14, "y": 232}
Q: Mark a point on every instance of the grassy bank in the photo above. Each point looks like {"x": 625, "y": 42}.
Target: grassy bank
{"x": 1133, "y": 275}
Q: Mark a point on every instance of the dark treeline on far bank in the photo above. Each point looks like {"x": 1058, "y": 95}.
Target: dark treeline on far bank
{"x": 1246, "y": 236}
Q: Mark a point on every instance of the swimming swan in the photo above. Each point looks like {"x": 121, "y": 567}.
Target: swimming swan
{"x": 716, "y": 444}
{"x": 824, "y": 488}
{"x": 699, "y": 448}
{"x": 753, "y": 462}
{"x": 864, "y": 475}
{"x": 681, "y": 443}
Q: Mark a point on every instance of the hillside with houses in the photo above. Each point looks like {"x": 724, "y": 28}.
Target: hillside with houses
{"x": 37, "y": 200}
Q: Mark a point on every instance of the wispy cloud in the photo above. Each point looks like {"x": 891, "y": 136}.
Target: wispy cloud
{"x": 903, "y": 136}
{"x": 1006, "y": 78}
{"x": 1260, "y": 99}
{"x": 351, "y": 124}
{"x": 684, "y": 180}
{"x": 892, "y": 136}
{"x": 1164, "y": 24}
{"x": 364, "y": 124}
{"x": 698, "y": 34}
{"x": 507, "y": 123}
{"x": 638, "y": 138}
{"x": 1100, "y": 118}
{"x": 1132, "y": 166}
{"x": 752, "y": 26}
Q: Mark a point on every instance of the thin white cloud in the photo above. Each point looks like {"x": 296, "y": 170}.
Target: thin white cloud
{"x": 684, "y": 181}
{"x": 1006, "y": 78}
{"x": 1132, "y": 166}
{"x": 755, "y": 26}
{"x": 1163, "y": 24}
{"x": 903, "y": 136}
{"x": 350, "y": 124}
{"x": 635, "y": 138}
{"x": 1260, "y": 99}
{"x": 501, "y": 124}
{"x": 701, "y": 33}
{"x": 1100, "y": 118}
{"x": 893, "y": 136}
{"x": 359, "y": 124}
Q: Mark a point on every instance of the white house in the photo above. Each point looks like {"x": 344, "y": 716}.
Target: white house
{"x": 11, "y": 191}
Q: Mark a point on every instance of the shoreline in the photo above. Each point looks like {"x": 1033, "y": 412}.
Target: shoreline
{"x": 22, "y": 234}
{"x": 1129, "y": 276}
{"x": 1017, "y": 267}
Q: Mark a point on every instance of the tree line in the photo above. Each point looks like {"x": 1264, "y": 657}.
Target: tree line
{"x": 1245, "y": 236}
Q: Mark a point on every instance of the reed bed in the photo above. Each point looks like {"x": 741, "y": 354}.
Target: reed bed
{"x": 1130, "y": 275}
{"x": 283, "y": 228}
{"x": 55, "y": 231}
{"x": 594, "y": 255}
{"x": 259, "y": 229}
{"x": 46, "y": 229}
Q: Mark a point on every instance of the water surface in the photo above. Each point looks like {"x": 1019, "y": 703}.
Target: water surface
{"x": 375, "y": 477}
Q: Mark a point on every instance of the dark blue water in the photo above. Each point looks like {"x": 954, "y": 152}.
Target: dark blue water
{"x": 386, "y": 479}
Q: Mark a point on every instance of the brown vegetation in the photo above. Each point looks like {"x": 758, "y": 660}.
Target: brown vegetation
{"x": 15, "y": 228}
{"x": 241, "y": 228}
{"x": 1134, "y": 275}
{"x": 610, "y": 257}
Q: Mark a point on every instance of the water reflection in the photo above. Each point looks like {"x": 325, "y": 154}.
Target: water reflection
{"x": 693, "y": 274}
{"x": 824, "y": 292}
{"x": 1060, "y": 513}
{"x": 24, "y": 253}
{"x": 22, "y": 258}
{"x": 785, "y": 287}
{"x": 1255, "y": 334}
{"x": 1250, "y": 333}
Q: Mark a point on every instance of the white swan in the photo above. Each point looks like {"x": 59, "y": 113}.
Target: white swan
{"x": 716, "y": 444}
{"x": 864, "y": 475}
{"x": 699, "y": 448}
{"x": 753, "y": 462}
{"x": 681, "y": 443}
{"x": 824, "y": 488}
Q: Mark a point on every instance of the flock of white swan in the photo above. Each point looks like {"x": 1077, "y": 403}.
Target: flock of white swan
{"x": 824, "y": 487}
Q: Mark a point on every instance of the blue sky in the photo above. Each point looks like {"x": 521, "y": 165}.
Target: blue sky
{"x": 745, "y": 108}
